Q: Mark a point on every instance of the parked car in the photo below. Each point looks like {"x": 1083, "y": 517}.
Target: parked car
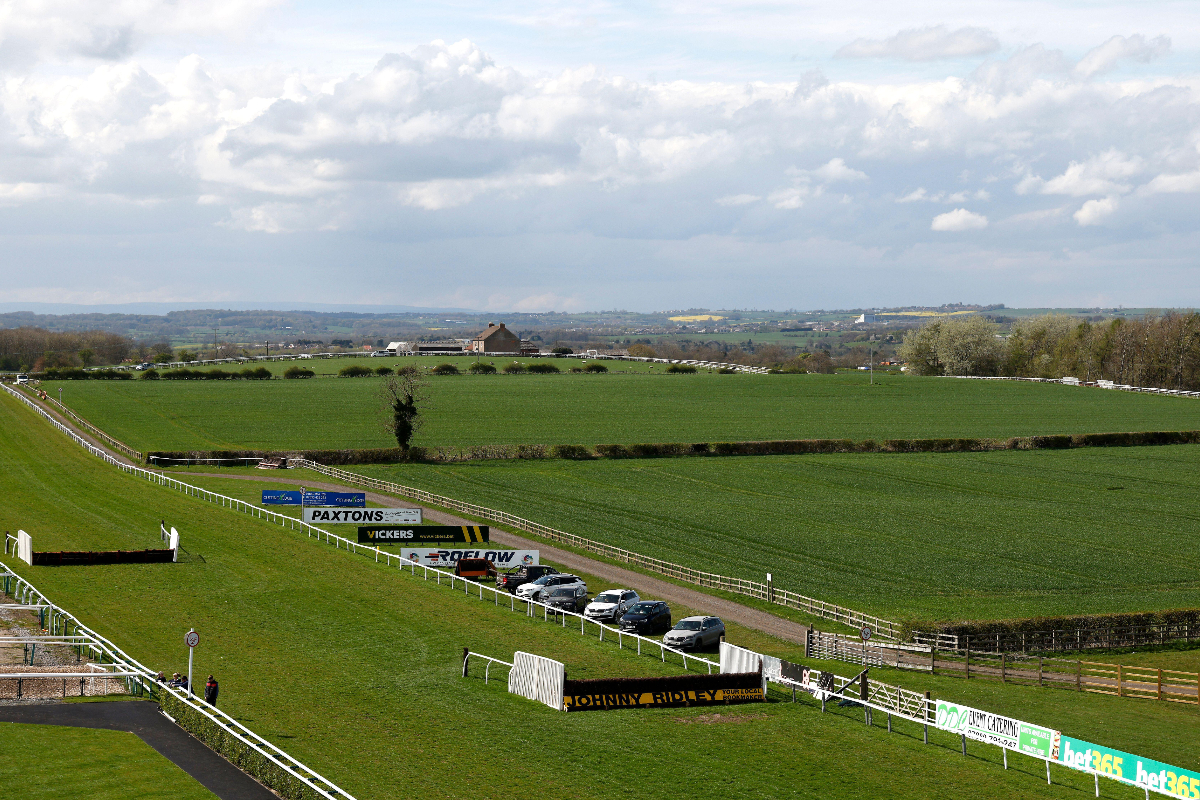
{"x": 511, "y": 581}
{"x": 142, "y": 366}
{"x": 568, "y": 598}
{"x": 610, "y": 605}
{"x": 693, "y": 633}
{"x": 648, "y": 616}
{"x": 475, "y": 568}
{"x": 22, "y": 378}
{"x": 536, "y": 589}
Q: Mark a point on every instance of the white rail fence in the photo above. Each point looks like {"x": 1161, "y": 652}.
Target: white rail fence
{"x": 529, "y": 607}
{"x": 1069, "y": 381}
{"x": 141, "y": 680}
{"x": 762, "y": 591}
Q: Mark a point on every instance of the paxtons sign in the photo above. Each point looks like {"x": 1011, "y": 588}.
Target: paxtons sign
{"x": 444, "y": 559}
{"x": 364, "y": 516}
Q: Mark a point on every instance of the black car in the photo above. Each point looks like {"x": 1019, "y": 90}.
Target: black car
{"x": 648, "y": 616}
{"x": 567, "y": 598}
{"x": 512, "y": 581}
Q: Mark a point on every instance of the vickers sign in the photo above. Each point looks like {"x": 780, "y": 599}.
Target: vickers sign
{"x": 424, "y": 533}
{"x": 364, "y": 516}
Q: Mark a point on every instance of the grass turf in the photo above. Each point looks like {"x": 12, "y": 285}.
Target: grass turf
{"x": 51, "y": 762}
{"x": 596, "y": 409}
{"x": 353, "y": 667}
{"x": 918, "y": 536}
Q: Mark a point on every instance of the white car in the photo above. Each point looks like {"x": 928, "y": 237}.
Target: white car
{"x": 611, "y": 604}
{"x": 537, "y": 589}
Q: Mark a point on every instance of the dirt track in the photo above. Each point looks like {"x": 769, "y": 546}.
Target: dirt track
{"x": 618, "y": 576}
{"x": 645, "y": 585}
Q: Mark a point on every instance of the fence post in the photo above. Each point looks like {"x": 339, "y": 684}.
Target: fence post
{"x": 1120, "y": 682}
{"x": 1078, "y": 686}
{"x": 967, "y": 650}
{"x": 466, "y": 659}
{"x": 1160, "y": 684}
{"x": 925, "y": 717}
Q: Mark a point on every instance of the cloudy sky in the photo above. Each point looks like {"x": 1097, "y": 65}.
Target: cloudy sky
{"x": 601, "y": 154}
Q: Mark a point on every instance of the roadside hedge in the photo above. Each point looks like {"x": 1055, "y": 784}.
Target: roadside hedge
{"x": 85, "y": 375}
{"x": 244, "y": 758}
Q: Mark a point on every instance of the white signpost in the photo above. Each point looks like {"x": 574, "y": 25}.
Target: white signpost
{"x": 191, "y": 639}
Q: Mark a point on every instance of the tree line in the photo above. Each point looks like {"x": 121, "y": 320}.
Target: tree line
{"x": 35, "y": 349}
{"x": 1161, "y": 350}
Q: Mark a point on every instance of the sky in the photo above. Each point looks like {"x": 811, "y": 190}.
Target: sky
{"x": 537, "y": 156}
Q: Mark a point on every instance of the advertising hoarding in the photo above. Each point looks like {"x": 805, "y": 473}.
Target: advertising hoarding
{"x": 446, "y": 559}
{"x": 363, "y": 516}
{"x": 280, "y": 497}
{"x": 984, "y": 726}
{"x": 335, "y": 499}
{"x": 397, "y": 534}
{"x": 1145, "y": 773}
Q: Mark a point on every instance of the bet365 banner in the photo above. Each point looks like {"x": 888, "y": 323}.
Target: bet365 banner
{"x": 984, "y": 726}
{"x": 1144, "y": 773}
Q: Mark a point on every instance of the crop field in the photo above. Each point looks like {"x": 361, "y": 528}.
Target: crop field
{"x": 466, "y": 410}
{"x": 915, "y": 536}
{"x": 353, "y": 668}
{"x": 49, "y": 762}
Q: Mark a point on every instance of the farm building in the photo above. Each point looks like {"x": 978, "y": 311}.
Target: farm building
{"x": 497, "y": 340}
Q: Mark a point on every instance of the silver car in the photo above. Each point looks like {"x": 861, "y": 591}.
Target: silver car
{"x": 537, "y": 590}
{"x": 693, "y": 633}
{"x": 610, "y": 605}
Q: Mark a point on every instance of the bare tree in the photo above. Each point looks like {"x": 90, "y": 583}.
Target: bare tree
{"x": 401, "y": 394}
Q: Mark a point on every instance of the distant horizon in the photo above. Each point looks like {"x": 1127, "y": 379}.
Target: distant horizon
{"x": 162, "y": 309}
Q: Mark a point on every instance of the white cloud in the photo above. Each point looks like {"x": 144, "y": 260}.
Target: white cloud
{"x": 836, "y": 170}
{"x": 738, "y": 199}
{"x": 960, "y": 219}
{"x": 1094, "y": 212}
{"x": 925, "y": 44}
{"x": 1100, "y": 174}
{"x": 1105, "y": 57}
{"x": 1179, "y": 182}
{"x": 913, "y": 196}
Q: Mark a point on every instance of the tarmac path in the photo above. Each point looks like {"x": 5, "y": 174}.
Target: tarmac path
{"x": 144, "y": 719}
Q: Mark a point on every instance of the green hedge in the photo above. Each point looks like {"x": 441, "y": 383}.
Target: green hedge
{"x": 85, "y": 375}
{"x": 682, "y": 449}
{"x": 240, "y": 755}
{"x": 1089, "y": 622}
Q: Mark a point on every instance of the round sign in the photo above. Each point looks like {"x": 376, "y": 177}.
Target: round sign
{"x": 191, "y": 639}
{"x": 866, "y": 633}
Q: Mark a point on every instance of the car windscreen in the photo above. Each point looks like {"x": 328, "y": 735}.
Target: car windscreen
{"x": 542, "y": 580}
{"x": 608, "y": 597}
{"x": 688, "y": 625}
{"x": 644, "y": 608}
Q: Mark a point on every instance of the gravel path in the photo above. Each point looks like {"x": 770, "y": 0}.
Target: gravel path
{"x": 645, "y": 585}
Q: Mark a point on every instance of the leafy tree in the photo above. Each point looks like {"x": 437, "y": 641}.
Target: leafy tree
{"x": 562, "y": 351}
{"x": 295, "y": 373}
{"x": 402, "y": 393}
{"x": 442, "y": 369}
{"x": 642, "y": 351}
{"x": 596, "y": 366}
{"x": 87, "y": 356}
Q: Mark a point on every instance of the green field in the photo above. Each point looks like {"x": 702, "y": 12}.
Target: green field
{"x": 48, "y": 762}
{"x": 593, "y": 409}
{"x": 353, "y": 667}
{"x": 934, "y": 535}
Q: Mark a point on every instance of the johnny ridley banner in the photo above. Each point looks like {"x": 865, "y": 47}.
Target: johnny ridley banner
{"x": 279, "y": 497}
{"x": 984, "y": 726}
{"x": 503, "y": 559}
{"x": 1144, "y": 773}
{"x": 336, "y": 499}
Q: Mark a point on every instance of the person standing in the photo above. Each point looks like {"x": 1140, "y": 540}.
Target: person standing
{"x": 210, "y": 691}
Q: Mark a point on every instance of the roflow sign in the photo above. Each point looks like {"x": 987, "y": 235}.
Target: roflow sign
{"x": 425, "y": 533}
